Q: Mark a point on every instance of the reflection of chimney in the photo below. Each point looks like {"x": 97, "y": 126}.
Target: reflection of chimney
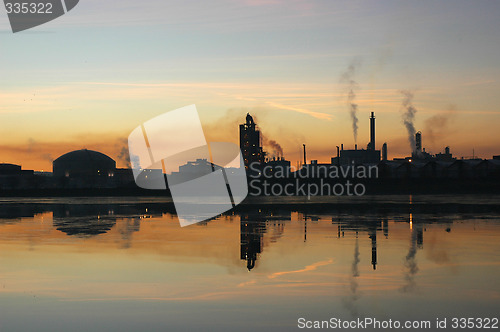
{"x": 373, "y": 237}
{"x": 420, "y": 237}
{"x": 372, "y": 131}
{"x": 384, "y": 152}
{"x": 385, "y": 226}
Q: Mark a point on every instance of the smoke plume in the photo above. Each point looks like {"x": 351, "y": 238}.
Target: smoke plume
{"x": 438, "y": 124}
{"x": 48, "y": 157}
{"x": 347, "y": 78}
{"x": 409, "y": 117}
{"x": 123, "y": 155}
{"x": 277, "y": 149}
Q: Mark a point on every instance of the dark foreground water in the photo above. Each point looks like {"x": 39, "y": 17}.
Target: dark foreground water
{"x": 125, "y": 264}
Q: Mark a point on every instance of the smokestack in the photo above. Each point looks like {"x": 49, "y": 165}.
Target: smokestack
{"x": 342, "y": 147}
{"x": 384, "y": 152}
{"x": 447, "y": 150}
{"x": 338, "y": 152}
{"x": 305, "y": 160}
{"x": 418, "y": 142}
{"x": 355, "y": 146}
{"x": 372, "y": 131}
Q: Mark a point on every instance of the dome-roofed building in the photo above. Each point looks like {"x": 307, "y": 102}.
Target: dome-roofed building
{"x": 84, "y": 169}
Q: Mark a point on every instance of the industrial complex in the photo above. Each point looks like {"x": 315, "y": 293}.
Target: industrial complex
{"x": 92, "y": 169}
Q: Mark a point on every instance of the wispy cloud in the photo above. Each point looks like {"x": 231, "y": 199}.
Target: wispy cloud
{"x": 317, "y": 115}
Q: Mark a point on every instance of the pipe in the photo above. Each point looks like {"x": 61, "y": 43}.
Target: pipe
{"x": 305, "y": 160}
{"x": 372, "y": 131}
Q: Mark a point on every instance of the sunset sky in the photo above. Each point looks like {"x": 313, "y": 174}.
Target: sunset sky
{"x": 87, "y": 79}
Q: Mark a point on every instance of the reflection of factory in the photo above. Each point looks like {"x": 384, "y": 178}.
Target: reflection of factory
{"x": 253, "y": 226}
{"x": 251, "y": 233}
{"x": 371, "y": 228}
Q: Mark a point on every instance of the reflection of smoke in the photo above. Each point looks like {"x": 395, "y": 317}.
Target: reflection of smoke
{"x": 126, "y": 229}
{"x": 350, "y": 302}
{"x": 409, "y": 117}
{"x": 411, "y": 265}
{"x": 348, "y": 79}
{"x": 437, "y": 252}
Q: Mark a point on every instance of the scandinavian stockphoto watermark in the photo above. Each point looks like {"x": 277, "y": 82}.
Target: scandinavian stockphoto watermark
{"x": 27, "y": 14}
{"x": 204, "y": 179}
{"x": 310, "y": 180}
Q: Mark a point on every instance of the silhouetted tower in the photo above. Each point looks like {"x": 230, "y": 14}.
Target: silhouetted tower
{"x": 384, "y": 152}
{"x": 371, "y": 145}
{"x": 418, "y": 142}
{"x": 305, "y": 160}
{"x": 250, "y": 142}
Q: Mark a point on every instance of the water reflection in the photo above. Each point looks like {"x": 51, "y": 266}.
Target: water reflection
{"x": 94, "y": 219}
{"x": 355, "y": 260}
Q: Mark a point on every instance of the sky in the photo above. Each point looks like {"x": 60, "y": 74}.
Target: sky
{"x": 88, "y": 78}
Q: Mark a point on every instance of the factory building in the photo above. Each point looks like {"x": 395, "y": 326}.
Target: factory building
{"x": 278, "y": 166}
{"x": 250, "y": 142}
{"x": 13, "y": 177}
{"x": 84, "y": 169}
{"x": 360, "y": 156}
{"x": 446, "y": 156}
{"x": 419, "y": 153}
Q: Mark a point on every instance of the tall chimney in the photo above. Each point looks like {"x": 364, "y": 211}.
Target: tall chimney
{"x": 384, "y": 152}
{"x": 418, "y": 142}
{"x": 355, "y": 146}
{"x": 342, "y": 147}
{"x": 305, "y": 160}
{"x": 372, "y": 131}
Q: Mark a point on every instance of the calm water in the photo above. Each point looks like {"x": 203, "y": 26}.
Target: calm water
{"x": 124, "y": 264}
